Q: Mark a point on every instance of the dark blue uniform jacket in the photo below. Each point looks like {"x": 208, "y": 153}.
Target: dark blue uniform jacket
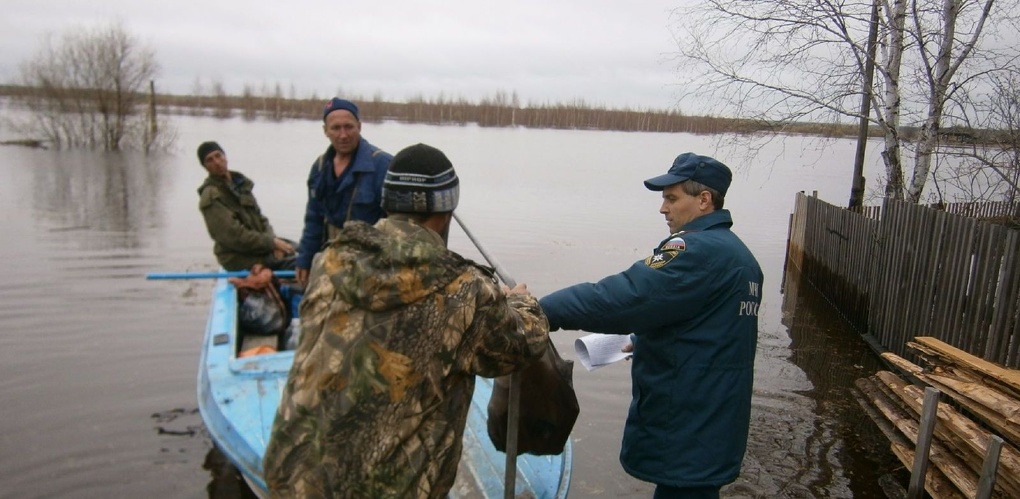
{"x": 693, "y": 307}
{"x": 329, "y": 198}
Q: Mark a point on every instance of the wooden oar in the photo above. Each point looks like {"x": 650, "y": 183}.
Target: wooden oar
{"x": 210, "y": 275}
{"x": 514, "y": 409}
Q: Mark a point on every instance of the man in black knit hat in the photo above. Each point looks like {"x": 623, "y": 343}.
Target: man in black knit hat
{"x": 395, "y": 329}
{"x": 241, "y": 234}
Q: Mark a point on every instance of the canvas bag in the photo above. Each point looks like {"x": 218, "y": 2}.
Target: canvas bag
{"x": 548, "y": 409}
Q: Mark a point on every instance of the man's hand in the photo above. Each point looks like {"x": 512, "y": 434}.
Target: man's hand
{"x": 302, "y": 276}
{"x": 281, "y": 248}
{"x": 520, "y": 289}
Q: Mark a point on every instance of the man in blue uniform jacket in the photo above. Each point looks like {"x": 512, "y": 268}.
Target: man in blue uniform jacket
{"x": 692, "y": 307}
{"x": 344, "y": 184}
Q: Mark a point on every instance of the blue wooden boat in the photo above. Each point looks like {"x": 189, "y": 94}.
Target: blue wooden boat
{"x": 238, "y": 397}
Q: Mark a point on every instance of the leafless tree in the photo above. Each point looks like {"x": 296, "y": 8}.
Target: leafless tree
{"x": 222, "y": 107}
{"x": 249, "y": 103}
{"x": 984, "y": 158}
{"x": 276, "y": 108}
{"x": 91, "y": 87}
{"x": 197, "y": 91}
{"x": 783, "y": 61}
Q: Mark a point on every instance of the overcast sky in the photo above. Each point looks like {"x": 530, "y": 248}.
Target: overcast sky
{"x": 607, "y": 52}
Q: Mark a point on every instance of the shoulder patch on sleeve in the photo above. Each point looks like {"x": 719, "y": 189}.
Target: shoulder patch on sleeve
{"x": 675, "y": 243}
{"x": 659, "y": 260}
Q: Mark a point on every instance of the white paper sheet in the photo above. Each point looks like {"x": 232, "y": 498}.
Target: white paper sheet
{"x": 597, "y": 350}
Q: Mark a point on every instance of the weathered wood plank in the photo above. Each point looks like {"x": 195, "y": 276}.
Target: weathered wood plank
{"x": 942, "y": 458}
{"x": 1009, "y": 377}
{"x": 988, "y": 416}
{"x": 935, "y": 482}
{"x": 972, "y": 440}
{"x": 956, "y": 431}
{"x": 941, "y": 364}
{"x": 1005, "y": 406}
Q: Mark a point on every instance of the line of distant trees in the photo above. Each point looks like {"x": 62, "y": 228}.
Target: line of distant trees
{"x": 500, "y": 110}
{"x": 497, "y": 111}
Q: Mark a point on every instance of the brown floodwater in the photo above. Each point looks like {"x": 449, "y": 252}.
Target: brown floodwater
{"x": 98, "y": 365}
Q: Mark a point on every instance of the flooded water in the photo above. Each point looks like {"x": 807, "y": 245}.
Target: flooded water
{"x": 98, "y": 365}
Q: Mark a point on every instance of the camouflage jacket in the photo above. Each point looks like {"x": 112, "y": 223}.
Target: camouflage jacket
{"x": 394, "y": 329}
{"x": 242, "y": 235}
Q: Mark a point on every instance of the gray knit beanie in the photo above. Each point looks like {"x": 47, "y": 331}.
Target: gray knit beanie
{"x": 420, "y": 180}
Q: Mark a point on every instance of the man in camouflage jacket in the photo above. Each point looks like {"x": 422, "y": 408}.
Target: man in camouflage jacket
{"x": 395, "y": 327}
{"x": 241, "y": 233}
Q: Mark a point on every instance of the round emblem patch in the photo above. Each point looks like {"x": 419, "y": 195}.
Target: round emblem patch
{"x": 659, "y": 259}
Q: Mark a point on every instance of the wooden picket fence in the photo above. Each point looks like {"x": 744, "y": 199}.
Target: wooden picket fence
{"x": 904, "y": 270}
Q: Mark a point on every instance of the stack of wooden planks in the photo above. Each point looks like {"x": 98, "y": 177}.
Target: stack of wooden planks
{"x": 988, "y": 398}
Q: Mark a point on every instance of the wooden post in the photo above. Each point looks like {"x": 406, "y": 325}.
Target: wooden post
{"x": 512, "y": 424}
{"x": 989, "y": 468}
{"x": 924, "y": 433}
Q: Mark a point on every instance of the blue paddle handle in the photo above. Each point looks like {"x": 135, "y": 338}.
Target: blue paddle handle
{"x": 210, "y": 275}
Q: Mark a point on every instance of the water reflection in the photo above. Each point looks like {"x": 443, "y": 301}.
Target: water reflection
{"x": 226, "y": 481}
{"x": 115, "y": 194}
{"x": 844, "y": 454}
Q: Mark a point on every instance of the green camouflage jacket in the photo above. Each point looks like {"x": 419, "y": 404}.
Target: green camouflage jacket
{"x": 242, "y": 236}
{"x": 394, "y": 329}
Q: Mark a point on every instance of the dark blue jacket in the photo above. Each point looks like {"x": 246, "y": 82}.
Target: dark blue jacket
{"x": 693, "y": 306}
{"x": 330, "y": 201}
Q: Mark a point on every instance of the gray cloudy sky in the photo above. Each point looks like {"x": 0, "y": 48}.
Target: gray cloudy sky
{"x": 606, "y": 52}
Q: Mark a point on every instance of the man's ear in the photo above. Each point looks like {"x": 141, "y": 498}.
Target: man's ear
{"x": 705, "y": 200}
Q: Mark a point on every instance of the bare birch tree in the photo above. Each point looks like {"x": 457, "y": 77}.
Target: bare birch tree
{"x": 783, "y": 61}
{"x": 90, "y": 90}
{"x": 942, "y": 54}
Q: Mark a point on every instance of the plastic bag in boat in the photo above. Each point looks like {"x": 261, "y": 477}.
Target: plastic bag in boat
{"x": 260, "y": 314}
{"x": 260, "y": 310}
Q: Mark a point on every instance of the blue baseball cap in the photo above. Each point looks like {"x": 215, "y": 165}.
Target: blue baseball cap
{"x": 690, "y": 166}
{"x": 336, "y": 104}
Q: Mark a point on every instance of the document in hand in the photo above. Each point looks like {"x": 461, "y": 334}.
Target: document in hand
{"x": 597, "y": 350}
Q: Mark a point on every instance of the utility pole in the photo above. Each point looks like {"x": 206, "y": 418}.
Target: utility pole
{"x": 857, "y": 183}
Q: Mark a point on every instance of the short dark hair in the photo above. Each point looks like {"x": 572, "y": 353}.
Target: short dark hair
{"x": 693, "y": 188}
